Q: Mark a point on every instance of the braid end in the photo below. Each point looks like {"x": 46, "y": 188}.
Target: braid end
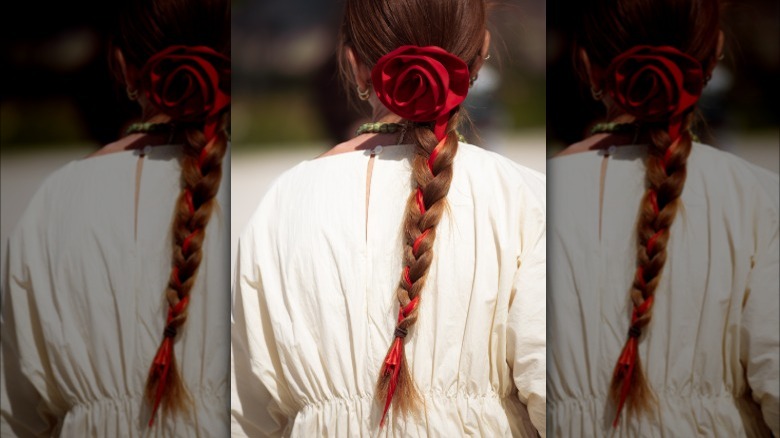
{"x": 395, "y": 386}
{"x": 631, "y": 389}
{"x": 164, "y": 386}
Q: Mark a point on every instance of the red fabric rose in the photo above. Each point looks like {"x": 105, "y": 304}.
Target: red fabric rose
{"x": 421, "y": 84}
{"x": 655, "y": 83}
{"x": 187, "y": 83}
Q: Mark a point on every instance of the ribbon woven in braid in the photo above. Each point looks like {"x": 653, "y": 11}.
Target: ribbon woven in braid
{"x": 656, "y": 85}
{"x": 190, "y": 85}
{"x": 422, "y": 85}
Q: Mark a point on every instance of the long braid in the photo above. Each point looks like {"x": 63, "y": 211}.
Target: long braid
{"x": 432, "y": 175}
{"x": 665, "y": 178}
{"x": 179, "y": 51}
{"x": 201, "y": 175}
{"x": 659, "y": 86}
{"x": 423, "y": 56}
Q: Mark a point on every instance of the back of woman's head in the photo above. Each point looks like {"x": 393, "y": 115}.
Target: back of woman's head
{"x": 180, "y": 51}
{"x": 374, "y": 28}
{"x": 610, "y": 27}
{"x": 394, "y": 39}
{"x": 146, "y": 27}
{"x": 650, "y": 59}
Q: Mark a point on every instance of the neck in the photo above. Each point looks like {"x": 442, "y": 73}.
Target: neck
{"x": 148, "y": 115}
{"x": 379, "y": 113}
{"x": 621, "y": 118}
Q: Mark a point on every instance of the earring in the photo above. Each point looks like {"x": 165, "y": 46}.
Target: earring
{"x": 487, "y": 57}
{"x": 363, "y": 94}
{"x": 131, "y": 94}
{"x": 597, "y": 94}
{"x": 472, "y": 80}
{"x": 721, "y": 56}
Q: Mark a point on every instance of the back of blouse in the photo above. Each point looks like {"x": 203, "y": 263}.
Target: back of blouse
{"x": 315, "y": 307}
{"x": 84, "y": 309}
{"x": 711, "y": 353}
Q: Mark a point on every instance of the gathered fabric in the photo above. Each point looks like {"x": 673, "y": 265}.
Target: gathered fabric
{"x": 314, "y": 305}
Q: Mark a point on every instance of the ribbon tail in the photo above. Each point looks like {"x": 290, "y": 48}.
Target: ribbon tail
{"x": 625, "y": 367}
{"x": 210, "y": 129}
{"x": 440, "y": 127}
{"x": 161, "y": 367}
{"x": 392, "y": 366}
{"x": 675, "y": 125}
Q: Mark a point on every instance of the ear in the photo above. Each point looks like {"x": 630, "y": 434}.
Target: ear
{"x": 594, "y": 73}
{"x": 586, "y": 63}
{"x": 129, "y": 74}
{"x": 360, "y": 72}
{"x": 719, "y": 50}
{"x": 483, "y": 53}
{"x": 718, "y": 56}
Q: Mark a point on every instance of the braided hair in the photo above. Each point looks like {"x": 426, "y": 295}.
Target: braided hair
{"x": 181, "y": 51}
{"x": 449, "y": 34}
{"x": 652, "y": 59}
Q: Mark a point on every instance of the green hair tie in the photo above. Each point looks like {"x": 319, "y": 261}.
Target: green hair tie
{"x": 389, "y": 128}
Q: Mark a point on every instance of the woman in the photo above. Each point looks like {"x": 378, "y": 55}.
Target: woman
{"x": 663, "y": 322}
{"x": 114, "y": 312}
{"x": 395, "y": 285}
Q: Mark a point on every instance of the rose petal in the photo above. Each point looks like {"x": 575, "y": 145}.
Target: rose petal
{"x": 420, "y": 83}
{"x": 654, "y": 83}
{"x": 188, "y": 83}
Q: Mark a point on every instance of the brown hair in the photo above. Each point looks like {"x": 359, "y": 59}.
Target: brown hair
{"x": 373, "y": 28}
{"x": 607, "y": 29}
{"x": 145, "y": 28}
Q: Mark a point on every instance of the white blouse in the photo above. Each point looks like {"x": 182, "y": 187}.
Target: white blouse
{"x": 711, "y": 350}
{"x": 83, "y": 309}
{"x": 314, "y": 302}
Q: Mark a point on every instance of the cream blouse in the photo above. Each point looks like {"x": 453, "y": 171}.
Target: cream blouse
{"x": 83, "y": 310}
{"x": 314, "y": 302}
{"x": 711, "y": 350}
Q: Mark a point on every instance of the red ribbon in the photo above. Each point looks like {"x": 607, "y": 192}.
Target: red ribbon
{"x": 188, "y": 83}
{"x": 652, "y": 239}
{"x": 672, "y": 147}
{"x": 434, "y": 154}
{"x": 627, "y": 361}
{"x": 625, "y": 366}
{"x": 188, "y": 200}
{"x": 654, "y": 201}
{"x": 209, "y": 132}
{"x": 421, "y": 84}
{"x": 406, "y": 277}
{"x": 418, "y": 241}
{"x": 420, "y": 201}
{"x": 655, "y": 83}
{"x": 161, "y": 365}
{"x": 185, "y": 246}
{"x": 392, "y": 364}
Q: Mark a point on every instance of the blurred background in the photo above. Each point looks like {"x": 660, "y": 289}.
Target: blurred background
{"x": 740, "y": 104}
